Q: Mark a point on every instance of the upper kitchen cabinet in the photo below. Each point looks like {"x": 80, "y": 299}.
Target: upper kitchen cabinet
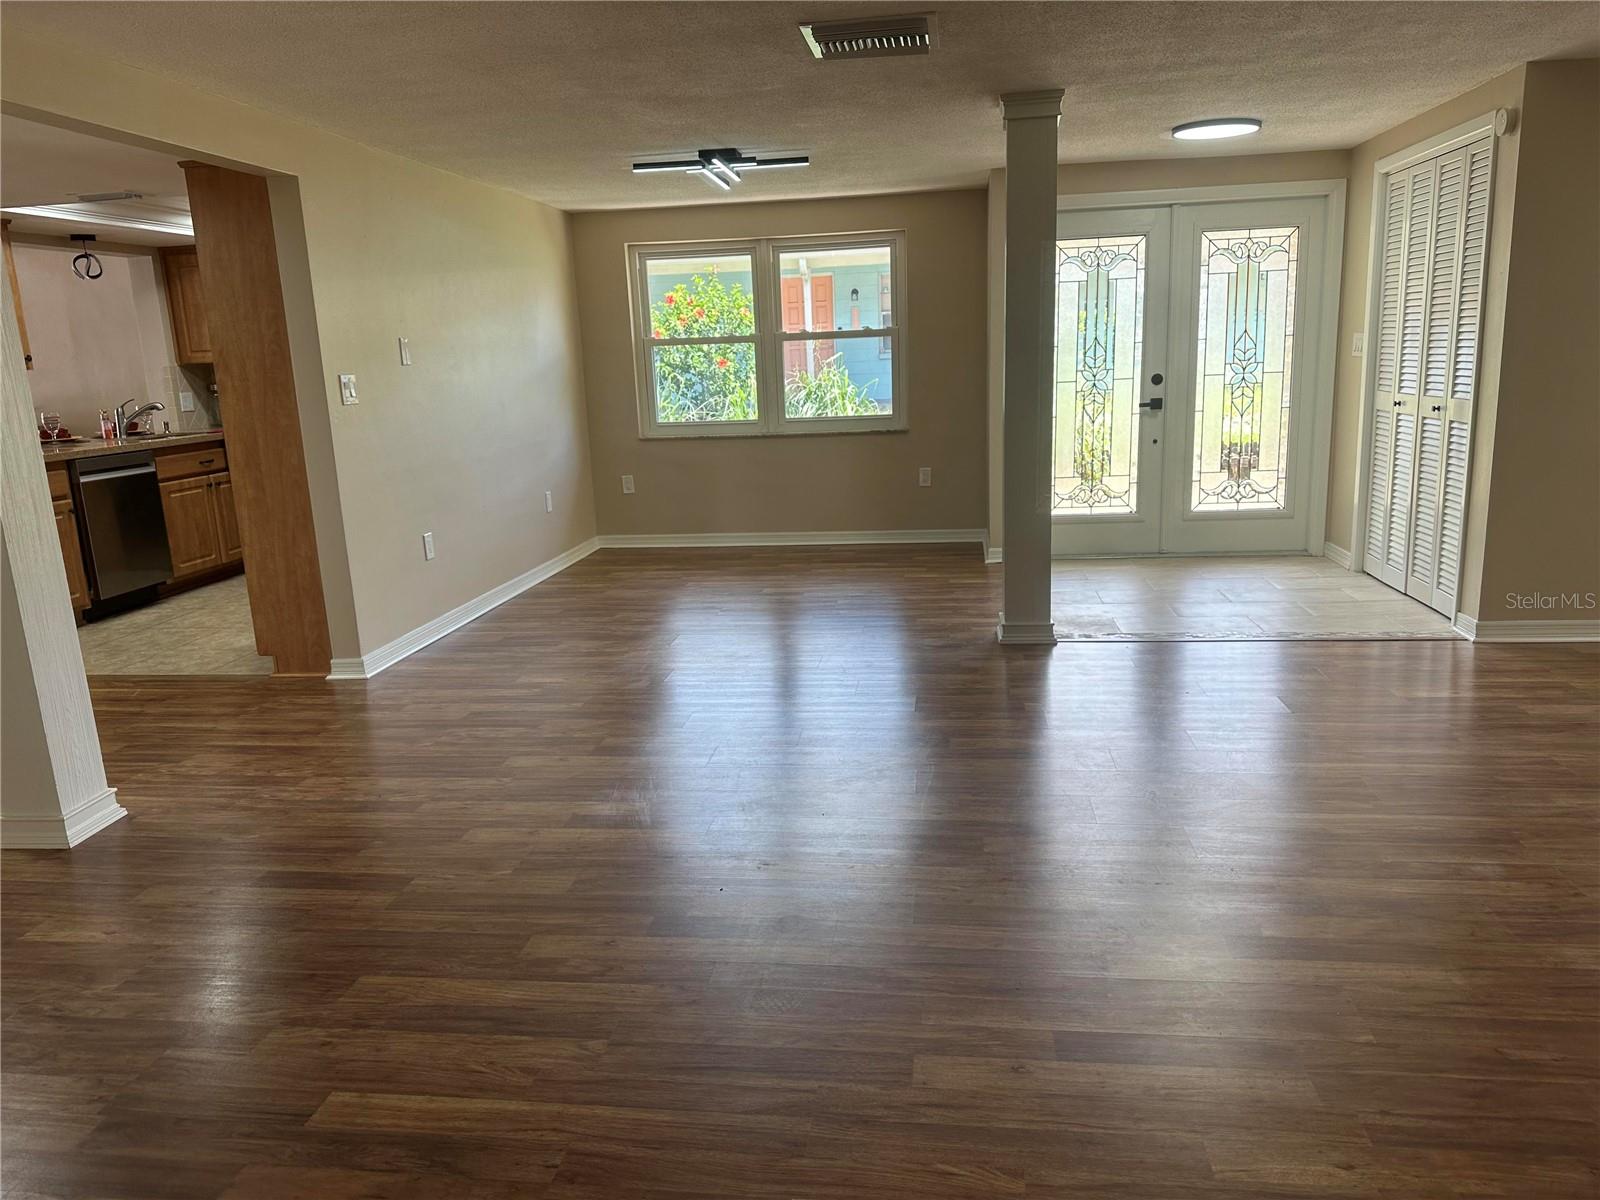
{"x": 16, "y": 293}
{"x": 190, "y": 331}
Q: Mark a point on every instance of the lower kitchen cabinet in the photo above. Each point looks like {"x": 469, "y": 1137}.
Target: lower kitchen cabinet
{"x": 72, "y": 554}
{"x": 202, "y": 523}
{"x": 227, "y": 517}
{"x": 194, "y": 525}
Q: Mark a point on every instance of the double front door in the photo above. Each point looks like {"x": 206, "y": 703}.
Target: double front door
{"x": 1185, "y": 352}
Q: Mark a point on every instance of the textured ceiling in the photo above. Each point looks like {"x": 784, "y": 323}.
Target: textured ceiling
{"x": 554, "y": 100}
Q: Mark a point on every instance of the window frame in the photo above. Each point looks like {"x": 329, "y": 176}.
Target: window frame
{"x": 769, "y": 337}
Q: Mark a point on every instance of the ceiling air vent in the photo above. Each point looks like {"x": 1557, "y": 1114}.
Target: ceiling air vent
{"x": 871, "y": 37}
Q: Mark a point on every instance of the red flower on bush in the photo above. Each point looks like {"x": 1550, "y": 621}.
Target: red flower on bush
{"x": 699, "y": 312}
{"x": 723, "y": 362}
{"x": 683, "y": 320}
{"x": 658, "y": 333}
{"x": 669, "y": 298}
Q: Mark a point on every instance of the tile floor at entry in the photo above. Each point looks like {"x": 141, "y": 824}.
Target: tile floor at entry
{"x": 1231, "y": 598}
{"x": 207, "y": 631}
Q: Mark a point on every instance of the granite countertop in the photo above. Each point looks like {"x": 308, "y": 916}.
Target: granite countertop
{"x": 154, "y": 441}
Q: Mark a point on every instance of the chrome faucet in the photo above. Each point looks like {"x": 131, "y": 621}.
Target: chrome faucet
{"x": 124, "y": 418}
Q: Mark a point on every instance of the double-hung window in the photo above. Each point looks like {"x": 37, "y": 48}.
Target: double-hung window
{"x": 770, "y": 336}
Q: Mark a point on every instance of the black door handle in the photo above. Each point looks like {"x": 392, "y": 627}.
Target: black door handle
{"x": 1153, "y": 404}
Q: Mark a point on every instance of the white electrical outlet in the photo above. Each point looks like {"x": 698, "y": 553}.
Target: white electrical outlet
{"x": 405, "y": 352}
{"x": 627, "y": 485}
{"x": 924, "y": 476}
{"x": 427, "y": 547}
{"x": 549, "y": 502}
{"x": 185, "y": 401}
{"x": 347, "y": 389}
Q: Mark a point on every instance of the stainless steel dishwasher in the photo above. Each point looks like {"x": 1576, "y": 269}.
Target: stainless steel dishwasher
{"x": 124, "y": 530}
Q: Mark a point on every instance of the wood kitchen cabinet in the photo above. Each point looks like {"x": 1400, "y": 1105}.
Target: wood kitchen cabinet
{"x": 191, "y": 526}
{"x": 187, "y": 299}
{"x": 202, "y": 523}
{"x": 16, "y": 293}
{"x": 72, "y": 555}
{"x": 227, "y": 518}
{"x": 67, "y": 534}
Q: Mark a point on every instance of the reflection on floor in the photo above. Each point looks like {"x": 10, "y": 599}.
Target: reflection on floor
{"x": 1230, "y": 599}
{"x": 203, "y": 632}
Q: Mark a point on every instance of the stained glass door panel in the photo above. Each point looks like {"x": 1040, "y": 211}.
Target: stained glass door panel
{"x": 1243, "y": 475}
{"x": 1111, "y": 297}
{"x": 1244, "y": 372}
{"x": 1100, "y": 292}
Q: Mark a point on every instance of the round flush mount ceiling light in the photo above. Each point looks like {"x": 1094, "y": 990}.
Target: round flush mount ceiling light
{"x": 1216, "y": 127}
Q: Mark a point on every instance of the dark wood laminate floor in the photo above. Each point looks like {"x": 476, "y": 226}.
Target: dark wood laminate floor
{"x": 769, "y": 875}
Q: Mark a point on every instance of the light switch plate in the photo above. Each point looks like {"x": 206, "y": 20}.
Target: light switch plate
{"x": 627, "y": 485}
{"x": 924, "y": 476}
{"x": 347, "y": 389}
{"x": 405, "y": 352}
{"x": 427, "y": 546}
{"x": 185, "y": 401}
{"x": 1358, "y": 344}
{"x": 549, "y": 502}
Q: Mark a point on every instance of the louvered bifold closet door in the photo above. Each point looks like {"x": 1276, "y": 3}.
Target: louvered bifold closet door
{"x": 1439, "y": 322}
{"x": 1435, "y": 226}
{"x": 1461, "y": 379}
{"x": 1397, "y": 397}
{"x": 1393, "y": 225}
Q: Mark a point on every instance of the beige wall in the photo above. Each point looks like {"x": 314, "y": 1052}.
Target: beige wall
{"x": 1543, "y": 521}
{"x": 463, "y": 443}
{"x": 1350, "y": 370}
{"x": 813, "y": 482}
{"x": 95, "y": 343}
{"x": 1075, "y": 179}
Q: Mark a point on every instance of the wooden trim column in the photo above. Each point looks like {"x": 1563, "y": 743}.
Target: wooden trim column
{"x": 1031, "y": 120}
{"x": 261, "y": 415}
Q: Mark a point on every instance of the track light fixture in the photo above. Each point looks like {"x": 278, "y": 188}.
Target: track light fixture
{"x": 722, "y": 169}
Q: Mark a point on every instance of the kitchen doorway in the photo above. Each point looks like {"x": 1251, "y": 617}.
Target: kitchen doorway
{"x": 151, "y": 312}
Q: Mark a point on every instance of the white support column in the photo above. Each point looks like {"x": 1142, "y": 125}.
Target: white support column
{"x": 53, "y": 791}
{"x": 1031, "y": 121}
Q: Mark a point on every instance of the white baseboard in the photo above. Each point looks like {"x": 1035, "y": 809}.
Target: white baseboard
{"x": 386, "y": 656}
{"x": 63, "y": 832}
{"x": 1526, "y": 631}
{"x": 1337, "y": 555}
{"x": 993, "y": 554}
{"x": 827, "y": 537}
